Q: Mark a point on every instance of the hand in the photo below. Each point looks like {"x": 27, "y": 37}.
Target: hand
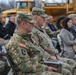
{"x": 53, "y": 58}
{"x": 59, "y": 58}
{"x": 52, "y": 69}
{"x": 2, "y": 40}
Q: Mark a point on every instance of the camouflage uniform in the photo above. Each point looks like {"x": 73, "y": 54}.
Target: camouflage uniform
{"x": 4, "y": 42}
{"x": 25, "y": 55}
{"x": 43, "y": 40}
{"x": 50, "y": 32}
{"x": 4, "y": 67}
{"x": 46, "y": 44}
{"x": 40, "y": 41}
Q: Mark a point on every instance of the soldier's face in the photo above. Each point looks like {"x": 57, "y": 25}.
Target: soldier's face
{"x": 40, "y": 20}
{"x": 28, "y": 27}
{"x": 46, "y": 21}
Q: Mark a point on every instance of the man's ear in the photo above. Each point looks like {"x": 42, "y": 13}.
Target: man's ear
{"x": 35, "y": 17}
{"x": 22, "y": 23}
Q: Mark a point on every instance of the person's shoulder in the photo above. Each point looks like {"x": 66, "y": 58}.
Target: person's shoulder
{"x": 13, "y": 42}
{"x": 63, "y": 31}
{"x": 34, "y": 30}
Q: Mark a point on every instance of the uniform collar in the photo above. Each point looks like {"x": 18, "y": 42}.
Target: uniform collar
{"x": 26, "y": 36}
{"x": 40, "y": 29}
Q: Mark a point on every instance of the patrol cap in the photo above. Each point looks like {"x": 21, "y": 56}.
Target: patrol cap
{"x": 47, "y": 17}
{"x": 27, "y": 17}
{"x": 38, "y": 11}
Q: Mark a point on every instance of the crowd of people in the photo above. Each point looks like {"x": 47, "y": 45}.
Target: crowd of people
{"x": 34, "y": 40}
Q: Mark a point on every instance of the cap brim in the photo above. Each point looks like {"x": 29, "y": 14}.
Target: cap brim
{"x": 32, "y": 21}
{"x": 47, "y": 18}
{"x": 44, "y": 15}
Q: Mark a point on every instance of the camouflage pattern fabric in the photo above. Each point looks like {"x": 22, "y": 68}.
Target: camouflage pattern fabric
{"x": 46, "y": 44}
{"x": 27, "y": 17}
{"x": 38, "y": 11}
{"x": 52, "y": 34}
{"x": 41, "y": 40}
{"x": 71, "y": 63}
{"x": 26, "y": 56}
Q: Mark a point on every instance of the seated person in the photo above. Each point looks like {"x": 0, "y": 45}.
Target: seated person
{"x": 50, "y": 24}
{"x": 3, "y": 31}
{"x": 11, "y": 26}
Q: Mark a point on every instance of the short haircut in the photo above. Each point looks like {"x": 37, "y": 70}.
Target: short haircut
{"x": 72, "y": 16}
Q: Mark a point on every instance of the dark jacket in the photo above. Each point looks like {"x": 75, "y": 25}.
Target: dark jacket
{"x": 10, "y": 26}
{"x": 73, "y": 30}
{"x": 3, "y": 32}
{"x": 52, "y": 27}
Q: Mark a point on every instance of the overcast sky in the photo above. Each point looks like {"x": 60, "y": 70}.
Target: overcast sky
{"x": 6, "y": 1}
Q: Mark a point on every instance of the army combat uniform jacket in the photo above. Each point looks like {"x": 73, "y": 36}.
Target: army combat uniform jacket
{"x": 26, "y": 56}
{"x": 46, "y": 44}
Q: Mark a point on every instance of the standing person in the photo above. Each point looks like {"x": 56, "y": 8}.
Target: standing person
{"x": 22, "y": 50}
{"x": 73, "y": 27}
{"x": 11, "y": 26}
{"x": 67, "y": 39}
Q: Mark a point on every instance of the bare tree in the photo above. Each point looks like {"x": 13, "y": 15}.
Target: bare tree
{"x": 12, "y": 4}
{"x": 3, "y": 6}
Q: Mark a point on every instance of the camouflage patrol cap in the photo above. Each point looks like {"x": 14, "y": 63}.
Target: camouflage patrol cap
{"x": 47, "y": 17}
{"x": 38, "y": 11}
{"x": 27, "y": 17}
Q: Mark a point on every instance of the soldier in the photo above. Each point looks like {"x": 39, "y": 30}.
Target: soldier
{"x": 44, "y": 41}
{"x": 25, "y": 56}
{"x": 48, "y": 30}
{"x": 4, "y": 67}
{"x": 52, "y": 34}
